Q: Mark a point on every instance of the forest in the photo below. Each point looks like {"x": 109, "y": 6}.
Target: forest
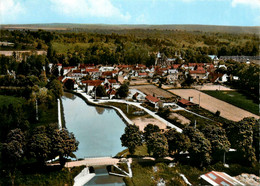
{"x": 132, "y": 46}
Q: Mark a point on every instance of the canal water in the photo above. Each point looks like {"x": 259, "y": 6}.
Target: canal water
{"x": 97, "y": 129}
{"x": 102, "y": 178}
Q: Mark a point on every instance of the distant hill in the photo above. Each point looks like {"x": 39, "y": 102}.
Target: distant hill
{"x": 95, "y": 27}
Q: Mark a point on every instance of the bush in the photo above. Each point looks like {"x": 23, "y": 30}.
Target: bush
{"x": 128, "y": 181}
{"x": 217, "y": 113}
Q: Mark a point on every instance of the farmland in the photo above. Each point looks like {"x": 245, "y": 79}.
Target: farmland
{"x": 153, "y": 90}
{"x": 236, "y": 99}
{"x": 212, "y": 104}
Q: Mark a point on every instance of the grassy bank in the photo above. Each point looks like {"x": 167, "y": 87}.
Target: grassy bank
{"x": 43, "y": 176}
{"x": 145, "y": 173}
{"x": 236, "y": 99}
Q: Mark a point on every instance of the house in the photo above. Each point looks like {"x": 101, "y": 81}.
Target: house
{"x": 66, "y": 70}
{"x": 219, "y": 178}
{"x": 152, "y": 100}
{"x": 91, "y": 84}
{"x": 111, "y": 93}
{"x": 104, "y": 68}
{"x": 75, "y": 74}
{"x": 185, "y": 103}
{"x": 214, "y": 58}
{"x": 139, "y": 97}
{"x": 109, "y": 74}
{"x": 142, "y": 74}
{"x": 223, "y": 78}
{"x": 200, "y": 73}
{"x": 93, "y": 72}
{"x": 173, "y": 71}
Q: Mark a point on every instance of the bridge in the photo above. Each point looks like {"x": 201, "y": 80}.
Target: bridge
{"x": 93, "y": 162}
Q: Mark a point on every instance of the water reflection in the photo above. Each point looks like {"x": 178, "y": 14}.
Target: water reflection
{"x": 103, "y": 178}
{"x": 100, "y": 110}
{"x": 97, "y": 129}
{"x": 68, "y": 95}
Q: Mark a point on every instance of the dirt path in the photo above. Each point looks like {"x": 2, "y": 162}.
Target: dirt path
{"x": 212, "y": 104}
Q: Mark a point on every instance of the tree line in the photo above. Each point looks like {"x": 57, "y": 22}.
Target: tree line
{"x": 204, "y": 147}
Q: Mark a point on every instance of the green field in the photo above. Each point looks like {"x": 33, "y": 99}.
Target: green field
{"x": 62, "y": 48}
{"x": 236, "y": 99}
{"x": 6, "y": 100}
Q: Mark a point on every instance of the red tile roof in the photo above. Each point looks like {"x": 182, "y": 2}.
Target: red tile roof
{"x": 198, "y": 71}
{"x": 213, "y": 76}
{"x": 112, "y": 81}
{"x": 175, "y": 66}
{"x": 76, "y": 71}
{"x": 92, "y": 70}
{"x": 151, "y": 98}
{"x": 185, "y": 102}
{"x": 142, "y": 74}
{"x": 111, "y": 92}
{"x": 92, "y": 82}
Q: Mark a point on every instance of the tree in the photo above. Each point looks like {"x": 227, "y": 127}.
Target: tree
{"x": 164, "y": 112}
{"x": 218, "y": 139}
{"x": 63, "y": 144}
{"x": 157, "y": 144}
{"x": 149, "y": 129}
{"x": 200, "y": 147}
{"x": 69, "y": 84}
{"x": 39, "y": 145}
{"x": 123, "y": 90}
{"x": 56, "y": 87}
{"x": 177, "y": 141}
{"x": 131, "y": 138}
{"x": 240, "y": 135}
{"x": 188, "y": 81}
{"x": 101, "y": 91}
{"x": 13, "y": 151}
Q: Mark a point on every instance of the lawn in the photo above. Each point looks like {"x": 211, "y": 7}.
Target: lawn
{"x": 42, "y": 176}
{"x": 236, "y": 99}
{"x": 6, "y": 100}
{"x": 48, "y": 115}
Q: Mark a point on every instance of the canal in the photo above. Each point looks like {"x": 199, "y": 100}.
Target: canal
{"x": 97, "y": 129}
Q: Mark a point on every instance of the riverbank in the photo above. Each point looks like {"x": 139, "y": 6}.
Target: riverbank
{"x": 89, "y": 100}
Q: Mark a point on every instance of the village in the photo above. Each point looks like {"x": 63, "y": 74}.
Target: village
{"x": 125, "y": 107}
{"x": 149, "y": 84}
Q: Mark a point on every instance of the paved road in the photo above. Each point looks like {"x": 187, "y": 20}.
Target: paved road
{"x": 90, "y": 99}
{"x": 135, "y": 104}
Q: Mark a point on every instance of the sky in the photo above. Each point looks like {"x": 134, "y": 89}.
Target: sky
{"x": 152, "y": 12}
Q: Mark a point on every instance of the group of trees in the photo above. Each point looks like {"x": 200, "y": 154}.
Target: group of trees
{"x": 133, "y": 46}
{"x": 204, "y": 147}
{"x": 43, "y": 143}
{"x": 122, "y": 91}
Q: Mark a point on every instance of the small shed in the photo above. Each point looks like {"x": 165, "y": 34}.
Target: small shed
{"x": 185, "y": 103}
